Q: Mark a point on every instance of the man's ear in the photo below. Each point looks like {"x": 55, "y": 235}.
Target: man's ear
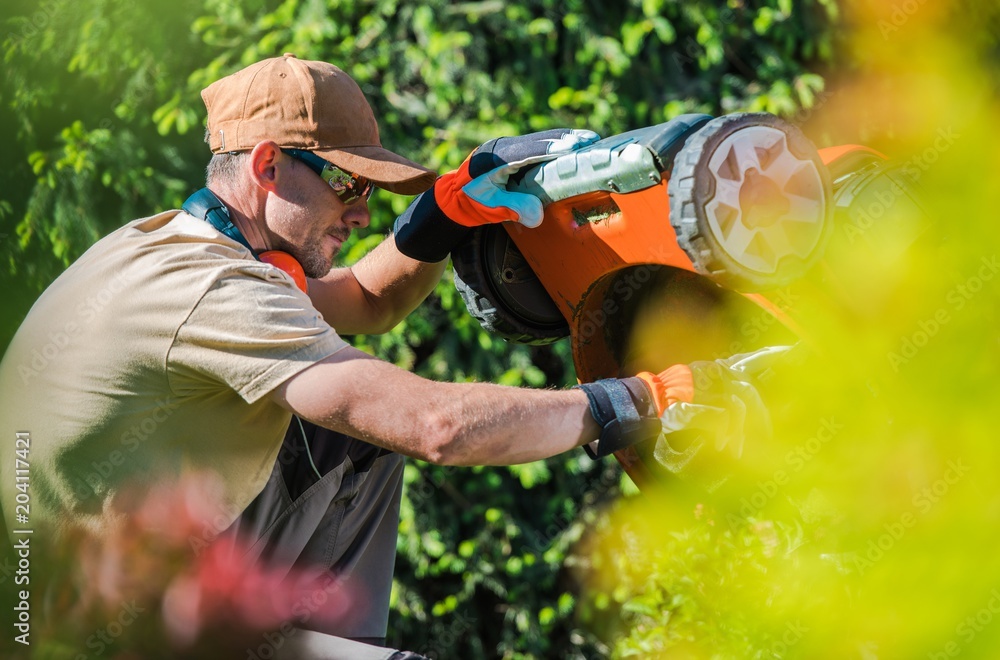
{"x": 264, "y": 165}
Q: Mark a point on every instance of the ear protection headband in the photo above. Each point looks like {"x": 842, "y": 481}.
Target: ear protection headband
{"x": 206, "y": 206}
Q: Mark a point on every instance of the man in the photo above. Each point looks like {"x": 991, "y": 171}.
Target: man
{"x": 173, "y": 345}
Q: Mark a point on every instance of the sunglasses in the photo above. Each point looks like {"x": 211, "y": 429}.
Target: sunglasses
{"x": 349, "y": 187}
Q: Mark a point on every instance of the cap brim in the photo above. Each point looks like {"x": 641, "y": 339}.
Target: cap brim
{"x": 386, "y": 169}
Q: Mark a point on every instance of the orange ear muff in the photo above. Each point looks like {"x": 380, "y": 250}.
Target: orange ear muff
{"x": 287, "y": 263}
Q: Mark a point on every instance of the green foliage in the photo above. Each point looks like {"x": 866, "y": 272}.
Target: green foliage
{"x": 693, "y": 583}
{"x": 101, "y": 120}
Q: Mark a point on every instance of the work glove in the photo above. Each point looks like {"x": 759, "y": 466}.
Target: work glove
{"x": 726, "y": 410}
{"x": 476, "y": 193}
{"x": 720, "y": 399}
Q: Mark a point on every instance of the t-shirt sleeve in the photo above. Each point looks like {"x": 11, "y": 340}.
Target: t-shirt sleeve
{"x": 250, "y": 333}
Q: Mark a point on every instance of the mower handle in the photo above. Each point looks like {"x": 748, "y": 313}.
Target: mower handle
{"x": 622, "y": 163}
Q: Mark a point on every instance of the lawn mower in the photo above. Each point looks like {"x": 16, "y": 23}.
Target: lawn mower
{"x": 701, "y": 228}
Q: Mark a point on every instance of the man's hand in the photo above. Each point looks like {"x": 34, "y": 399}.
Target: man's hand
{"x": 719, "y": 398}
{"x": 476, "y": 193}
{"x": 727, "y": 404}
{"x": 726, "y": 410}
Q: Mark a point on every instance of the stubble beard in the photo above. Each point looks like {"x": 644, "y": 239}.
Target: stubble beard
{"x": 314, "y": 263}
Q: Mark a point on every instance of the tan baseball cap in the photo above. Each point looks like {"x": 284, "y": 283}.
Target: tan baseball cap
{"x": 302, "y": 104}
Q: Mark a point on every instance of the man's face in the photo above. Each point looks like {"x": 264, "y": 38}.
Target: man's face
{"x": 305, "y": 218}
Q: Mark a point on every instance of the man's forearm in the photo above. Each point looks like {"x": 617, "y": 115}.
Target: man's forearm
{"x": 376, "y": 293}
{"x": 445, "y": 423}
{"x": 398, "y": 283}
{"x": 497, "y": 425}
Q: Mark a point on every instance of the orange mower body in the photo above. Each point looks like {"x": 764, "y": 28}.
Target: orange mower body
{"x": 609, "y": 261}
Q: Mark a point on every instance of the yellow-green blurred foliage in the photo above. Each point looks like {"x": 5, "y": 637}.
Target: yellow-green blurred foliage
{"x": 867, "y": 528}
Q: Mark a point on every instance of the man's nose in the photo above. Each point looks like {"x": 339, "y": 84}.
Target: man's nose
{"x": 357, "y": 215}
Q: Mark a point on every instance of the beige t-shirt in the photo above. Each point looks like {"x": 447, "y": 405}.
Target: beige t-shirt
{"x": 149, "y": 357}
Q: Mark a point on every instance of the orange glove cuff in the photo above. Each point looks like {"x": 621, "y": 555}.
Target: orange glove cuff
{"x": 670, "y": 386}
{"x": 458, "y": 207}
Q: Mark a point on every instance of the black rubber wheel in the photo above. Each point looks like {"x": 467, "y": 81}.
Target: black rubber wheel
{"x": 751, "y": 201}
{"x": 502, "y": 291}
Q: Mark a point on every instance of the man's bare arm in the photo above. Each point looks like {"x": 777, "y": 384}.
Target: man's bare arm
{"x": 444, "y": 423}
{"x": 376, "y": 293}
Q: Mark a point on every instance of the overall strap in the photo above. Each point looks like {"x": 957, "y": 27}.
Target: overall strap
{"x": 206, "y": 206}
